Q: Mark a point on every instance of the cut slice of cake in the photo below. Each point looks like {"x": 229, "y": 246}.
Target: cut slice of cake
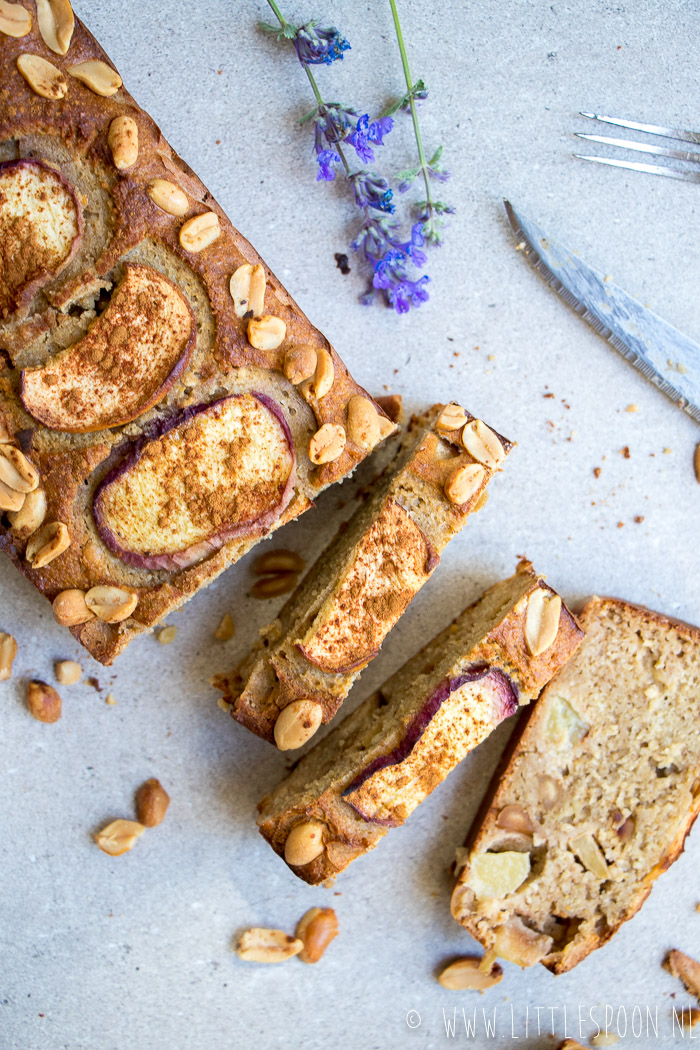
{"x": 597, "y": 797}
{"x": 373, "y": 769}
{"x": 308, "y": 659}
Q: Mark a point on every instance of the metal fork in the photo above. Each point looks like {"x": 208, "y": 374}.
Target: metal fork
{"x": 669, "y": 172}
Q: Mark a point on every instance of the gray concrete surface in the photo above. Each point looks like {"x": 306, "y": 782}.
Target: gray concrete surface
{"x": 134, "y": 953}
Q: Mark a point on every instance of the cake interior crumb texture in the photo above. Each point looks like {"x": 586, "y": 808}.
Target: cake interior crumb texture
{"x": 601, "y": 790}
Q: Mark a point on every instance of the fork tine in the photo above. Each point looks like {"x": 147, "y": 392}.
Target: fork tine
{"x": 643, "y": 147}
{"x": 651, "y": 129}
{"x": 650, "y": 169}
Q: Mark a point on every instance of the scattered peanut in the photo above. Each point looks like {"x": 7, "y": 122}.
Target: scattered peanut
{"x": 322, "y": 380}
{"x": 266, "y": 332}
{"x": 297, "y": 723}
{"x": 123, "y": 141}
{"x": 97, "y": 76}
{"x": 15, "y": 20}
{"x": 316, "y": 929}
{"x": 363, "y": 422}
{"x": 482, "y": 444}
{"x": 542, "y": 620}
{"x": 278, "y": 561}
{"x": 200, "y": 231}
{"x": 16, "y": 471}
{"x": 304, "y": 843}
{"x": 8, "y": 652}
{"x": 111, "y": 604}
{"x": 70, "y": 609}
{"x": 30, "y": 515}
{"x": 56, "y": 24}
{"x": 453, "y": 417}
{"x": 274, "y": 586}
{"x": 46, "y": 544}
{"x": 43, "y": 701}
{"x": 464, "y": 482}
{"x": 68, "y": 672}
{"x": 152, "y": 801}
{"x": 43, "y": 77}
{"x": 166, "y": 635}
{"x": 686, "y": 969}
{"x": 119, "y": 837}
{"x": 226, "y": 629}
{"x": 299, "y": 363}
{"x": 168, "y": 197}
{"x": 247, "y": 287}
{"x": 327, "y": 444}
{"x": 267, "y": 946}
{"x": 465, "y": 975}
{"x": 10, "y": 499}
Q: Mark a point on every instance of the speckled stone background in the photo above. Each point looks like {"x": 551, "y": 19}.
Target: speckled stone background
{"x": 134, "y": 953}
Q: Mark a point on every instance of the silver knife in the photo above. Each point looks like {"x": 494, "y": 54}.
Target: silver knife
{"x": 669, "y": 359}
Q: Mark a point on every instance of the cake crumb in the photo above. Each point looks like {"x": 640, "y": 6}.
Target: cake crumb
{"x": 597, "y": 471}
{"x": 625, "y": 450}
{"x": 639, "y": 518}
{"x": 109, "y": 699}
{"x": 668, "y": 451}
{"x": 632, "y": 408}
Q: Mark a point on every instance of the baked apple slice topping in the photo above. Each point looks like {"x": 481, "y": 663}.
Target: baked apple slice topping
{"x": 213, "y": 473}
{"x": 128, "y": 360}
{"x": 459, "y": 715}
{"x": 391, "y": 564}
{"x": 40, "y": 229}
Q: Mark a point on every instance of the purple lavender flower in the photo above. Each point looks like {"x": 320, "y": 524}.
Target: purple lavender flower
{"x": 326, "y": 159}
{"x": 316, "y": 45}
{"x": 372, "y": 191}
{"x": 399, "y": 290}
{"x": 365, "y": 133}
{"x": 378, "y": 129}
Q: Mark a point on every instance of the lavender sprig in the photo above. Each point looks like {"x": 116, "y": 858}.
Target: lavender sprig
{"x": 429, "y": 212}
{"x": 337, "y": 127}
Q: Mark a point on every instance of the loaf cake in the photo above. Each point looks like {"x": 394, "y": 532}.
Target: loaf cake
{"x": 597, "y": 796}
{"x": 307, "y": 660}
{"x": 373, "y": 769}
{"x": 164, "y": 403}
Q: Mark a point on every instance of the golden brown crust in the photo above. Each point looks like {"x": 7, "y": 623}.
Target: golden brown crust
{"x": 76, "y": 128}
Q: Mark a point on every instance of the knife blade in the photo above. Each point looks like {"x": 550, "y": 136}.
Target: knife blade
{"x": 663, "y": 354}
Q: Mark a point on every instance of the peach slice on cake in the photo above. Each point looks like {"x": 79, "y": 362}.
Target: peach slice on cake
{"x": 130, "y": 357}
{"x": 391, "y": 564}
{"x": 461, "y": 712}
{"x": 40, "y": 229}
{"x": 212, "y": 473}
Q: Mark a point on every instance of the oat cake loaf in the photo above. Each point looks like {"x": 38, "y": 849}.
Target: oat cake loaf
{"x": 308, "y": 658}
{"x": 164, "y": 403}
{"x": 371, "y": 771}
{"x": 596, "y": 798}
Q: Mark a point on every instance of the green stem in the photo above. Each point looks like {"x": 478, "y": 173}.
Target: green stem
{"x": 278, "y": 14}
{"x": 312, "y": 80}
{"x": 414, "y": 111}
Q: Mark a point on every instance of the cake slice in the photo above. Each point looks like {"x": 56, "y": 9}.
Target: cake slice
{"x": 373, "y": 769}
{"x": 164, "y": 402}
{"x": 307, "y": 660}
{"x": 597, "y": 797}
